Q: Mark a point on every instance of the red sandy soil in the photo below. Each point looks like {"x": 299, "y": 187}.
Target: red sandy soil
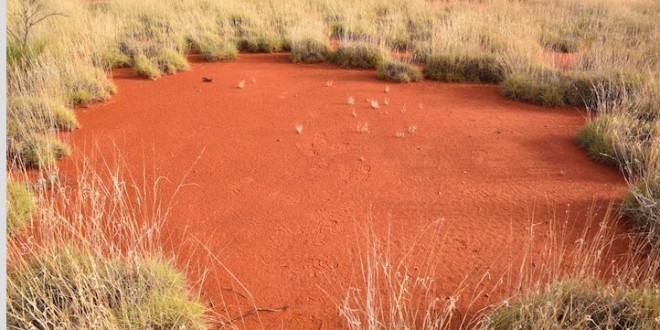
{"x": 279, "y": 208}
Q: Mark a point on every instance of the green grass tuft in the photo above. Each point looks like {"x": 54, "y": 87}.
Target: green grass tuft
{"x": 580, "y": 305}
{"x": 36, "y": 151}
{"x": 144, "y": 67}
{"x": 642, "y": 206}
{"x": 20, "y": 206}
{"x": 483, "y": 69}
{"x": 310, "y": 51}
{"x": 595, "y": 138}
{"x": 398, "y": 71}
{"x": 89, "y": 85}
{"x": 360, "y": 55}
{"x": 170, "y": 61}
{"x": 65, "y": 287}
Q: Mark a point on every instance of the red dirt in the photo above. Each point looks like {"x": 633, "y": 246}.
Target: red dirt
{"x": 278, "y": 208}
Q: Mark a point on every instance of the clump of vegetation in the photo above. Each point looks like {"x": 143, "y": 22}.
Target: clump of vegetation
{"x": 88, "y": 86}
{"x": 556, "y": 42}
{"x": 310, "y": 51}
{"x": 35, "y": 151}
{"x": 113, "y": 58}
{"x": 360, "y": 55}
{"x": 39, "y": 110}
{"x": 212, "y": 48}
{"x": 596, "y": 138}
{"x": 144, "y": 67}
{"x": 570, "y": 88}
{"x": 72, "y": 288}
{"x": 484, "y": 69}
{"x": 642, "y": 207}
{"x": 265, "y": 43}
{"x": 580, "y": 305}
{"x": 20, "y": 206}
{"x": 398, "y": 71}
{"x": 170, "y": 61}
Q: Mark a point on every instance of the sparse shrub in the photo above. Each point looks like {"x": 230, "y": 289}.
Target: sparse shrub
{"x": 66, "y": 287}
{"x": 170, "y": 61}
{"x": 89, "y": 85}
{"x": 462, "y": 68}
{"x": 580, "y": 305}
{"x": 20, "y": 206}
{"x": 309, "y": 51}
{"x": 144, "y": 67}
{"x": 398, "y": 71}
{"x": 360, "y": 55}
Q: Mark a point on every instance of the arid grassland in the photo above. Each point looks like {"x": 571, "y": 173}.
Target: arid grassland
{"x": 90, "y": 257}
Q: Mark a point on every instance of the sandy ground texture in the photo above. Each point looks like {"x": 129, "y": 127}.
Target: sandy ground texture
{"x": 280, "y": 209}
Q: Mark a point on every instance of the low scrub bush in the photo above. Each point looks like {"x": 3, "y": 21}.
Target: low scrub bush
{"x": 360, "y": 55}
{"x": 72, "y": 288}
{"x": 398, "y": 71}
{"x": 310, "y": 51}
{"x": 145, "y": 67}
{"x": 484, "y": 69}
{"x": 580, "y": 305}
{"x": 20, "y": 206}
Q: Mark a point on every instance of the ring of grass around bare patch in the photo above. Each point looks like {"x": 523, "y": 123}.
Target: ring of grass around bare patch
{"x": 71, "y": 288}
{"x": 360, "y": 55}
{"x": 398, "y": 71}
{"x": 20, "y": 206}
{"x": 461, "y": 68}
{"x": 310, "y": 51}
{"x": 580, "y": 305}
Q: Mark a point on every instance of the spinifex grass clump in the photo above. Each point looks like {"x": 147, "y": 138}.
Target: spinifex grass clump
{"x": 74, "y": 288}
{"x": 213, "y": 48}
{"x": 145, "y": 67}
{"x": 35, "y": 151}
{"x": 398, "y": 71}
{"x": 87, "y": 85}
{"x": 580, "y": 305}
{"x": 642, "y": 206}
{"x": 310, "y": 51}
{"x": 360, "y": 55}
{"x": 20, "y": 206}
{"x": 463, "y": 68}
{"x": 571, "y": 88}
{"x": 170, "y": 61}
